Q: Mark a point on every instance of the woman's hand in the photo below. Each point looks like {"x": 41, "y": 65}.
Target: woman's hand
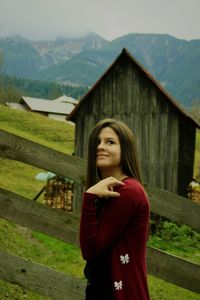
{"x": 104, "y": 188}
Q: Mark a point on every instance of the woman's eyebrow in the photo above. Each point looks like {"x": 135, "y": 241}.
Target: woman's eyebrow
{"x": 110, "y": 138}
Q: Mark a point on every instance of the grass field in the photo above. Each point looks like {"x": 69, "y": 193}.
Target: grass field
{"x": 20, "y": 178}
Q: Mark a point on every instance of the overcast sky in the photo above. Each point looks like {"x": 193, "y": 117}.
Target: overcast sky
{"x": 47, "y": 19}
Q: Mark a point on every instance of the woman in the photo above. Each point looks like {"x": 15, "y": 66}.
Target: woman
{"x": 115, "y": 216}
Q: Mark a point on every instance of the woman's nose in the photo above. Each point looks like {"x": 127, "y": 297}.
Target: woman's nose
{"x": 101, "y": 145}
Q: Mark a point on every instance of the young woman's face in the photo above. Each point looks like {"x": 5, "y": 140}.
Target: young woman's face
{"x": 108, "y": 150}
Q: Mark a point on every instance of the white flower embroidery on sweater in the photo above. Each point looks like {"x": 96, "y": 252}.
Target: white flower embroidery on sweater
{"x": 118, "y": 285}
{"x": 124, "y": 259}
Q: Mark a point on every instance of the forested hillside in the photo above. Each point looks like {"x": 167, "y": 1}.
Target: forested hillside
{"x": 13, "y": 88}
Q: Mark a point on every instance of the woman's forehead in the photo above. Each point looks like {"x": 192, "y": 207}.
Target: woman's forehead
{"x": 108, "y": 132}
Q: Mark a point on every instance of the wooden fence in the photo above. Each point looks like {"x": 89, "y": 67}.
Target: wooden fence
{"x": 56, "y": 223}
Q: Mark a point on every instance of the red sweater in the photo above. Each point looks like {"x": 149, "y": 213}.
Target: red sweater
{"x": 117, "y": 239}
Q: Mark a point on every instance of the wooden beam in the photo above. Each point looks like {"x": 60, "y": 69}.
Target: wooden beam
{"x": 46, "y": 281}
{"x": 169, "y": 205}
{"x": 39, "y": 217}
{"x": 173, "y": 269}
{"x": 21, "y": 149}
{"x": 40, "y": 279}
{"x": 174, "y": 207}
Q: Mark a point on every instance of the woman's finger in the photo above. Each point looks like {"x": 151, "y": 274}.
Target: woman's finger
{"x": 113, "y": 194}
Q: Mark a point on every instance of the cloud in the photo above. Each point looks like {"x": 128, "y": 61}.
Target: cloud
{"x": 37, "y": 19}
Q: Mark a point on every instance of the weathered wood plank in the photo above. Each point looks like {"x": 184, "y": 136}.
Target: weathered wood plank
{"x": 21, "y": 149}
{"x": 40, "y": 279}
{"x": 173, "y": 269}
{"x": 45, "y": 281}
{"x": 174, "y": 207}
{"x": 36, "y": 216}
{"x": 28, "y": 213}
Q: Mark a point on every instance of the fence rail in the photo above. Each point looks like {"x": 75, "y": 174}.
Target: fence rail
{"x": 64, "y": 226}
{"x": 23, "y": 150}
{"x": 39, "y": 217}
{"x": 40, "y": 279}
{"x": 174, "y": 207}
{"x": 173, "y": 269}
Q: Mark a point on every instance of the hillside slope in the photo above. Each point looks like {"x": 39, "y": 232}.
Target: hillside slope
{"x": 37, "y": 128}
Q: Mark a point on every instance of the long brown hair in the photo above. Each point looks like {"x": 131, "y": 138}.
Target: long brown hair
{"x": 129, "y": 157}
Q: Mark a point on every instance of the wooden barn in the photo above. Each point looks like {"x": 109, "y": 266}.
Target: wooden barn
{"x": 165, "y": 131}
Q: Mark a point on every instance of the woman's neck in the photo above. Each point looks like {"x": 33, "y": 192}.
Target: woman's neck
{"x": 116, "y": 174}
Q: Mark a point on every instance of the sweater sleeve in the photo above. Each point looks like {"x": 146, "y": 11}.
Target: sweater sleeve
{"x": 96, "y": 234}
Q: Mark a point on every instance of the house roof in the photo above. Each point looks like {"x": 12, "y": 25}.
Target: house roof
{"x": 66, "y": 99}
{"x": 50, "y": 106}
{"x": 128, "y": 56}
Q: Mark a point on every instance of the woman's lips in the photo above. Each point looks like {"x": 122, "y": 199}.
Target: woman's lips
{"x": 102, "y": 155}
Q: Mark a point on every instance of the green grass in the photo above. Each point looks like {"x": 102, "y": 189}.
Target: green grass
{"x": 161, "y": 290}
{"x": 41, "y": 248}
{"x": 180, "y": 240}
{"x": 37, "y": 128}
{"x": 20, "y": 178}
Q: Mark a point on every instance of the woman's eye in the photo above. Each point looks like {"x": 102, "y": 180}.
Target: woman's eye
{"x": 110, "y": 142}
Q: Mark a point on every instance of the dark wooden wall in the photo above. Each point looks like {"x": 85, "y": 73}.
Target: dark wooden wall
{"x": 186, "y": 154}
{"x": 127, "y": 94}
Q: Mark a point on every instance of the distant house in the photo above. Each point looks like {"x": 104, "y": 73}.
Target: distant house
{"x": 164, "y": 130}
{"x": 66, "y": 99}
{"x": 56, "y": 109}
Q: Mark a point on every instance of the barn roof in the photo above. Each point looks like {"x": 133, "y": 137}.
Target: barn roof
{"x": 50, "y": 106}
{"x": 66, "y": 99}
{"x": 128, "y": 56}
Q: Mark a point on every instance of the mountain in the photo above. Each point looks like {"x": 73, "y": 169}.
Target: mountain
{"x": 24, "y": 58}
{"x": 173, "y": 62}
